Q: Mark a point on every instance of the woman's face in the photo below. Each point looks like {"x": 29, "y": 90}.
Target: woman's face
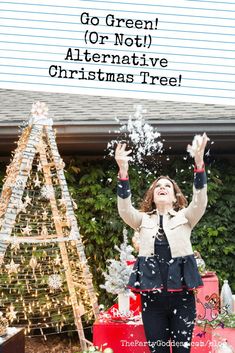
{"x": 164, "y": 193}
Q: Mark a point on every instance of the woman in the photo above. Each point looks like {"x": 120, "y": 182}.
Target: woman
{"x": 165, "y": 273}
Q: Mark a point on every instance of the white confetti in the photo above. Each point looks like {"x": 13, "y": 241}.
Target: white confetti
{"x": 186, "y": 344}
{"x": 142, "y": 137}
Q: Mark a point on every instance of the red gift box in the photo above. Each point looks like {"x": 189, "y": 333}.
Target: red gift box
{"x": 126, "y": 334}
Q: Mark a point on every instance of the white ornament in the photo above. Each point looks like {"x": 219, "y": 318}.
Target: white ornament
{"x": 39, "y": 114}
{"x": 39, "y": 108}
{"x": 44, "y": 215}
{"x": 12, "y": 267}
{"x": 37, "y": 182}
{"x": 27, "y": 199}
{"x": 12, "y": 313}
{"x": 39, "y": 167}
{"x": 15, "y": 246}
{"x": 54, "y": 281}
{"x": 26, "y": 230}
{"x": 62, "y": 202}
{"x": 44, "y": 231}
{"x": 33, "y": 264}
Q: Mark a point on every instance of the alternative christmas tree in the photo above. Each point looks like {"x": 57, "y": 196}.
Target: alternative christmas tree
{"x": 45, "y": 280}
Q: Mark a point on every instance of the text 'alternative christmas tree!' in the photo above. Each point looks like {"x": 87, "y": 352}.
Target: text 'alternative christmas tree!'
{"x": 45, "y": 280}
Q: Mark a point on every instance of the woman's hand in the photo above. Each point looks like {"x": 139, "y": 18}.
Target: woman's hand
{"x": 122, "y": 158}
{"x": 199, "y": 151}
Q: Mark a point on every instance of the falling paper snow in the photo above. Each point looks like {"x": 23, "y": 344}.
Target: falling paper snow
{"x": 186, "y": 345}
{"x": 141, "y": 137}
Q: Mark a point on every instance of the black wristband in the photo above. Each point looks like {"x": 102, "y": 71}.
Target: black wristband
{"x": 200, "y": 180}
{"x": 123, "y": 188}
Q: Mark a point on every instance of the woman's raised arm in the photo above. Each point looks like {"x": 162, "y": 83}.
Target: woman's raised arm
{"x": 122, "y": 158}
{"x": 197, "y": 206}
{"x": 127, "y": 212}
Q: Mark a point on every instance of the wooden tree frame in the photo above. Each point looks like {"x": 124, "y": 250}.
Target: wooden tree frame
{"x": 31, "y": 142}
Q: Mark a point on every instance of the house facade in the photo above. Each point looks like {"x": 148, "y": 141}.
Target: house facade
{"x": 85, "y": 123}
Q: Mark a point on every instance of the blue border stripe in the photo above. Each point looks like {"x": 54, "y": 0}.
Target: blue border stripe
{"x": 157, "y": 45}
{"x": 185, "y": 79}
{"x": 117, "y": 2}
{"x": 119, "y": 50}
{"x": 121, "y": 89}
{"x": 217, "y": 2}
{"x": 137, "y": 68}
{"x": 69, "y": 22}
{"x": 149, "y": 67}
{"x": 106, "y": 64}
{"x": 131, "y": 35}
{"x": 125, "y": 11}
{"x": 196, "y": 1}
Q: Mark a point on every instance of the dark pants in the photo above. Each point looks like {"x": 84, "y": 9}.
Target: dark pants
{"x": 168, "y": 316}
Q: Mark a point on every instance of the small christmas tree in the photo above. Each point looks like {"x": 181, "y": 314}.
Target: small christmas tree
{"x": 119, "y": 272}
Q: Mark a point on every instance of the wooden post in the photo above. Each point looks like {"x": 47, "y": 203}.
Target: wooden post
{"x": 80, "y": 248}
{"x": 62, "y": 246}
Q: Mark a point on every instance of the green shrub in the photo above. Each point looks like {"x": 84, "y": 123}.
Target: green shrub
{"x": 93, "y": 187}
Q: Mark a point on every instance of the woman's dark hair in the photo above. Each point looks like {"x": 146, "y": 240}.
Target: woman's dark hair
{"x": 148, "y": 205}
